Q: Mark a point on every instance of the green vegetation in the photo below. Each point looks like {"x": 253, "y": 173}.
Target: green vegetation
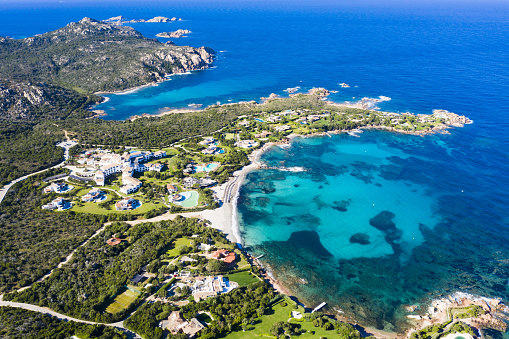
{"x": 33, "y": 240}
{"x": 17, "y": 323}
{"x": 243, "y": 278}
{"x": 123, "y": 300}
{"x": 98, "y": 272}
{"x": 180, "y": 246}
{"x": 115, "y": 57}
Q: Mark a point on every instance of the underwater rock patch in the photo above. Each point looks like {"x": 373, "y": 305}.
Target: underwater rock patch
{"x": 360, "y": 238}
{"x": 342, "y": 205}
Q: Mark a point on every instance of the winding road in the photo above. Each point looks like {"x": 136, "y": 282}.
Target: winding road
{"x": 66, "y": 145}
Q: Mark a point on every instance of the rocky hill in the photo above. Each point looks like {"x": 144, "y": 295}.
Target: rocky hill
{"x": 90, "y": 55}
{"x": 30, "y": 102}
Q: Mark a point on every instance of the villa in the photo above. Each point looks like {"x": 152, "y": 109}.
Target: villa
{"x": 208, "y": 141}
{"x": 263, "y": 134}
{"x": 210, "y": 150}
{"x": 282, "y": 128}
{"x": 206, "y": 287}
{"x": 94, "y": 194}
{"x": 125, "y": 204}
{"x": 58, "y": 203}
{"x": 225, "y": 256}
{"x": 171, "y": 188}
{"x": 273, "y": 118}
{"x": 177, "y": 324}
{"x": 57, "y": 187}
{"x": 287, "y": 112}
{"x": 244, "y": 123}
{"x": 246, "y": 143}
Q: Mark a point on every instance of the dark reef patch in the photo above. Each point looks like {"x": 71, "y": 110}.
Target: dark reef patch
{"x": 342, "y": 205}
{"x": 383, "y": 222}
{"x": 309, "y": 240}
{"x": 360, "y": 238}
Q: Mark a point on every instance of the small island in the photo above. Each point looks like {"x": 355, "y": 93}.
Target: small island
{"x": 122, "y": 20}
{"x": 179, "y": 33}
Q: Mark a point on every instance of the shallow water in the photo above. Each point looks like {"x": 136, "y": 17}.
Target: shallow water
{"x": 376, "y": 223}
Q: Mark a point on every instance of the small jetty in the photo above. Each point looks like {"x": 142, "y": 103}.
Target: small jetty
{"x": 317, "y": 308}
{"x": 258, "y": 257}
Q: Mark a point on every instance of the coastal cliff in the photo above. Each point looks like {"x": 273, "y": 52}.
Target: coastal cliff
{"x": 90, "y": 56}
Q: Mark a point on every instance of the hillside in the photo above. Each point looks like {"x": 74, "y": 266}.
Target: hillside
{"x": 89, "y": 56}
{"x": 27, "y": 101}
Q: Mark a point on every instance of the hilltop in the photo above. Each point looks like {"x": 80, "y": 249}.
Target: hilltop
{"x": 90, "y": 56}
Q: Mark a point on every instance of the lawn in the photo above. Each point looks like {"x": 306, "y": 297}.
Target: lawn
{"x": 229, "y": 136}
{"x": 279, "y": 312}
{"x": 243, "y": 278}
{"x": 123, "y": 300}
{"x": 92, "y": 207}
{"x": 174, "y": 252}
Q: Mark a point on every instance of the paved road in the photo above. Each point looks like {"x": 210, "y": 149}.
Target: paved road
{"x": 5, "y": 189}
{"x": 64, "y": 317}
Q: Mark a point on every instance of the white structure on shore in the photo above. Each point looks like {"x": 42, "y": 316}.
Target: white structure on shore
{"x": 127, "y": 163}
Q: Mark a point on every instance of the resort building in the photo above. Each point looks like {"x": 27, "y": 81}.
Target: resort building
{"x": 130, "y": 185}
{"x": 125, "y": 204}
{"x": 189, "y": 182}
{"x": 94, "y": 194}
{"x": 159, "y": 154}
{"x": 128, "y": 163}
{"x": 99, "y": 178}
{"x": 207, "y": 182}
{"x": 57, "y": 187}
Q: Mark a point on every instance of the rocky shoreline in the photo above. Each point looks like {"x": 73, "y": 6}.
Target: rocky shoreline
{"x": 179, "y": 33}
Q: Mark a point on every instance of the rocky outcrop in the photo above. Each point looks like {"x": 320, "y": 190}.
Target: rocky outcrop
{"x": 176, "y": 34}
{"x": 162, "y": 19}
{"x": 122, "y": 20}
{"x": 451, "y": 119}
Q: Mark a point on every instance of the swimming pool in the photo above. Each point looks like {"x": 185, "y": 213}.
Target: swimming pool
{"x": 258, "y": 119}
{"x": 209, "y": 168}
{"x": 190, "y": 199}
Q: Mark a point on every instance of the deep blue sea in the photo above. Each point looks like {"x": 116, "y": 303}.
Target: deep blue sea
{"x": 379, "y": 221}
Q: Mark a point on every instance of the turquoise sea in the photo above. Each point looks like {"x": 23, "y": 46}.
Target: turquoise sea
{"x": 378, "y": 221}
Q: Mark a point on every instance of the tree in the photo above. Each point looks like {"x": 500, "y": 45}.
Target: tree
{"x": 215, "y": 265}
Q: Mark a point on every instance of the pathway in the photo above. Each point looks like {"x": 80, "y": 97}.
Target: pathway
{"x": 66, "y": 260}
